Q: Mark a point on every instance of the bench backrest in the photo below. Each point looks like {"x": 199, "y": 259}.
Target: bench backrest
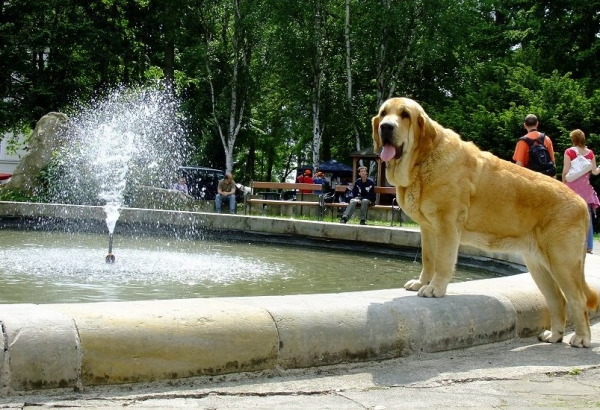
{"x": 285, "y": 185}
{"x": 387, "y": 190}
{"x": 390, "y": 190}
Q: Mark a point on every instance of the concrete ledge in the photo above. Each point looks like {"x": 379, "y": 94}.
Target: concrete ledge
{"x": 41, "y": 348}
{"x": 74, "y": 345}
{"x": 317, "y": 330}
{"x": 128, "y": 342}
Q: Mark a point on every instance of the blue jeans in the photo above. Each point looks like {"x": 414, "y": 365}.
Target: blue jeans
{"x": 219, "y": 198}
{"x": 590, "y": 238}
{"x": 364, "y": 208}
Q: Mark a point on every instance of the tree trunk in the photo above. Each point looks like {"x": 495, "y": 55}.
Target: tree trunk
{"x": 317, "y": 82}
{"x": 169, "y": 62}
{"x": 351, "y": 109}
{"x": 250, "y": 161}
{"x": 389, "y": 67}
{"x": 237, "y": 102}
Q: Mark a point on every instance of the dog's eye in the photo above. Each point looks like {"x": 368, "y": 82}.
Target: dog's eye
{"x": 404, "y": 114}
{"x": 383, "y": 113}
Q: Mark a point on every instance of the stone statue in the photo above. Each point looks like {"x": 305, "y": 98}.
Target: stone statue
{"x": 47, "y": 137}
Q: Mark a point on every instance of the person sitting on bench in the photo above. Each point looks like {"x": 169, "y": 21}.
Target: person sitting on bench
{"x": 363, "y": 193}
{"x": 226, "y": 191}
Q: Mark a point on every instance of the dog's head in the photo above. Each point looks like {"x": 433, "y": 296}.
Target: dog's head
{"x": 404, "y": 133}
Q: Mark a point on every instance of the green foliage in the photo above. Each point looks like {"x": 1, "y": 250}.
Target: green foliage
{"x": 15, "y": 195}
{"x": 13, "y": 140}
{"x": 55, "y": 184}
{"x": 492, "y": 113}
{"x": 477, "y": 67}
{"x": 48, "y": 182}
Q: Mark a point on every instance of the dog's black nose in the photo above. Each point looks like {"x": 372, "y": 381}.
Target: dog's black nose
{"x": 386, "y": 127}
{"x": 386, "y": 131}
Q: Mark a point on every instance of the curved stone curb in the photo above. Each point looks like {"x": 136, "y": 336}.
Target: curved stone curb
{"x": 69, "y": 345}
{"x": 319, "y": 330}
{"x": 74, "y": 345}
{"x": 41, "y": 348}
{"x": 128, "y": 342}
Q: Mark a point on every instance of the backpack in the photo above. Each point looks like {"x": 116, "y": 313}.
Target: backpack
{"x": 539, "y": 157}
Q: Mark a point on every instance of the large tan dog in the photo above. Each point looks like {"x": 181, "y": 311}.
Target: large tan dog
{"x": 459, "y": 194}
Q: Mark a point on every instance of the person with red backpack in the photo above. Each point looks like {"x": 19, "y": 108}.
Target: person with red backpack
{"x": 534, "y": 150}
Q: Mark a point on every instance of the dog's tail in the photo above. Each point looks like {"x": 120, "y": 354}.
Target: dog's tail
{"x": 592, "y": 297}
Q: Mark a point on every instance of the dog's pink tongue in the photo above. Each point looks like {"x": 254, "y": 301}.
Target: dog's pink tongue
{"x": 387, "y": 153}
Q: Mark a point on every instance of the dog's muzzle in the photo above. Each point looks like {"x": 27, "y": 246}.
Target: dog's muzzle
{"x": 386, "y": 133}
{"x": 389, "y": 151}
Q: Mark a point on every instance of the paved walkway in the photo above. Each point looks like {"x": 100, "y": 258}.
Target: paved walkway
{"x": 521, "y": 373}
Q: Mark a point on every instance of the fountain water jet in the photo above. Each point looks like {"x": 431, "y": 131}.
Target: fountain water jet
{"x": 129, "y": 138}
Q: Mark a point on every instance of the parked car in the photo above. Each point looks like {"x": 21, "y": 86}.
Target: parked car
{"x": 202, "y": 182}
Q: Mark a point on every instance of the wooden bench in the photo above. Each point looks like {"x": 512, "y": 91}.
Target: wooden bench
{"x": 273, "y": 192}
{"x": 394, "y": 208}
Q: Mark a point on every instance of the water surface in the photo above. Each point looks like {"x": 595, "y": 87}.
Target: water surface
{"x": 56, "y": 267}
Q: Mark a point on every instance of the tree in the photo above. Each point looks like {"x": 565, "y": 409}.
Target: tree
{"x": 228, "y": 52}
{"x": 267, "y": 84}
{"x": 60, "y": 51}
{"x": 350, "y": 95}
{"x": 304, "y": 44}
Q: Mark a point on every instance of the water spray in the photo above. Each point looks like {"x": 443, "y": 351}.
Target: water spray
{"x": 128, "y": 138}
{"x": 110, "y": 258}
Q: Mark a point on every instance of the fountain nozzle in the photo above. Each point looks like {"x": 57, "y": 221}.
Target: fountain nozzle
{"x": 110, "y": 258}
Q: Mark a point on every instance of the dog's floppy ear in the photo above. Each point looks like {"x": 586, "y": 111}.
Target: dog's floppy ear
{"x": 376, "y": 139}
{"x": 427, "y": 132}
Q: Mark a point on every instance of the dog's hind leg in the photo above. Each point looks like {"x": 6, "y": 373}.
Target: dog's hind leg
{"x": 568, "y": 274}
{"x": 554, "y": 299}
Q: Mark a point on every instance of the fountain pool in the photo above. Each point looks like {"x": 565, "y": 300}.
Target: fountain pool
{"x": 59, "y": 267}
{"x": 157, "y": 316}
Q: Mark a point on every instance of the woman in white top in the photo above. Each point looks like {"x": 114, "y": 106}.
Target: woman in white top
{"x": 582, "y": 184}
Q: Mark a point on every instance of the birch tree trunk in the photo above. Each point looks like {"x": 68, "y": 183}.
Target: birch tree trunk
{"x": 317, "y": 84}
{"x": 349, "y": 95}
{"x": 237, "y": 101}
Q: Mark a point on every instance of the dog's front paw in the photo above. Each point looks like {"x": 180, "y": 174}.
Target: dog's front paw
{"x": 580, "y": 341}
{"x": 413, "y": 284}
{"x": 550, "y": 337}
{"x": 431, "y": 291}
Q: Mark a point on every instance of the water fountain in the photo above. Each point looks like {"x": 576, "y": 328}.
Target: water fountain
{"x": 130, "y": 137}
